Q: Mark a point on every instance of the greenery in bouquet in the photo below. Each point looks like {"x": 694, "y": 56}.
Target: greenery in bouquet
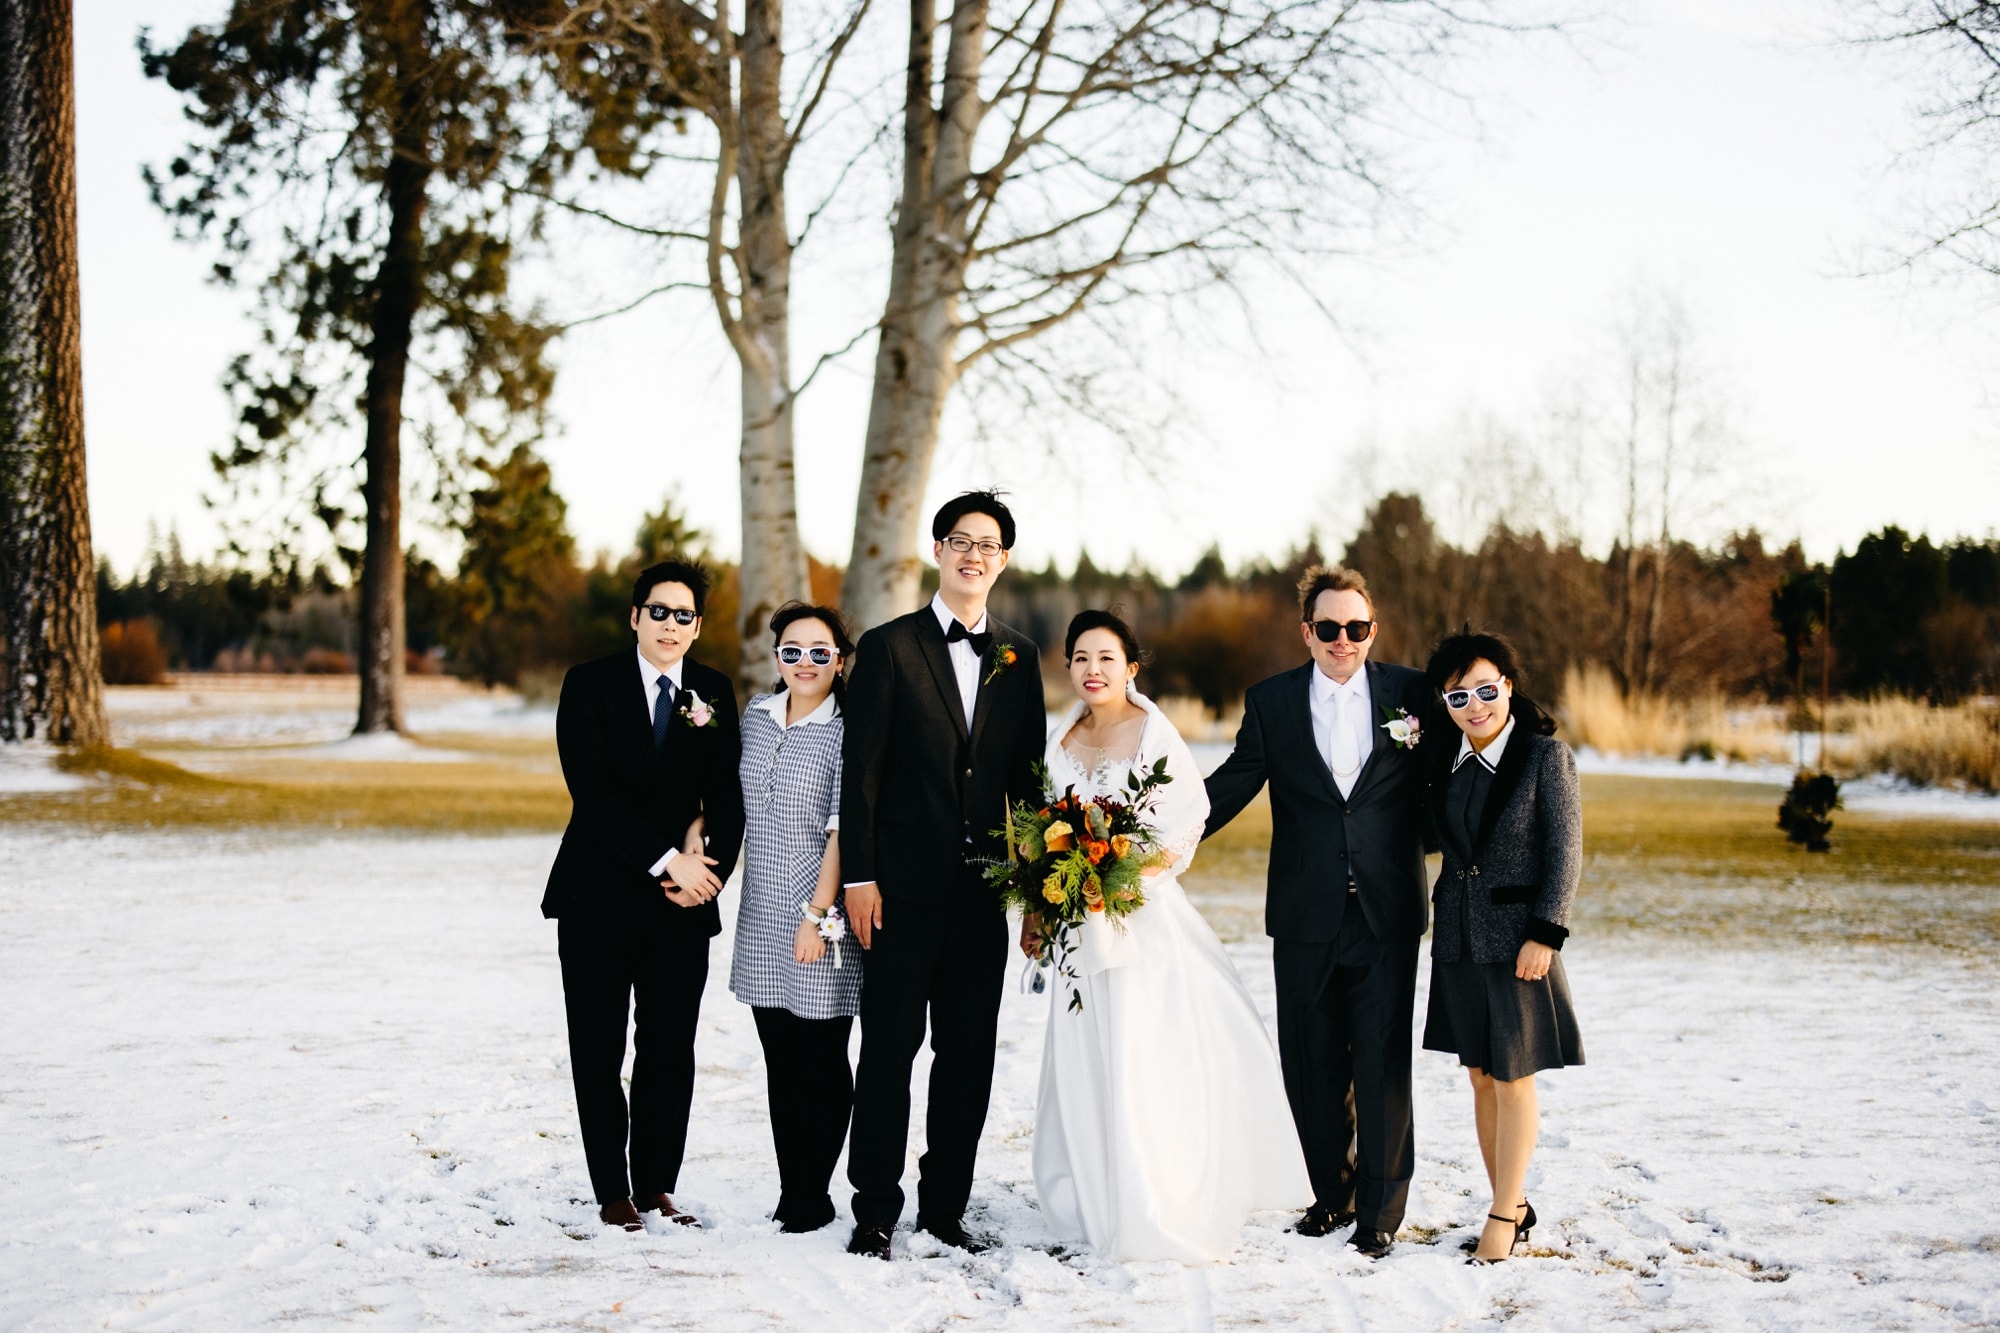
{"x": 1077, "y": 855}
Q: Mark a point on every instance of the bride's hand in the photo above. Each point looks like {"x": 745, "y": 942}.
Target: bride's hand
{"x": 1031, "y": 938}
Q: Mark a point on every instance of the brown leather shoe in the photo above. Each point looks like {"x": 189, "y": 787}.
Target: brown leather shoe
{"x": 664, "y": 1206}
{"x": 621, "y": 1214}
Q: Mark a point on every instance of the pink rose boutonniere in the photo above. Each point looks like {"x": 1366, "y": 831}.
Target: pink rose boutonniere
{"x": 697, "y": 712}
{"x": 1403, "y": 728}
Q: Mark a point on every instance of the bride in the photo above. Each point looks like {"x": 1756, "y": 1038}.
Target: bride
{"x": 1162, "y": 1121}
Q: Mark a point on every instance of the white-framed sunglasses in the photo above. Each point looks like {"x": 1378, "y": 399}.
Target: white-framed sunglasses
{"x": 1459, "y": 700}
{"x": 791, "y": 655}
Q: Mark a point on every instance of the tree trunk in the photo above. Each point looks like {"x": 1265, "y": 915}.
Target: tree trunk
{"x": 773, "y": 569}
{"x": 398, "y": 292}
{"x": 51, "y": 684}
{"x": 915, "y": 357}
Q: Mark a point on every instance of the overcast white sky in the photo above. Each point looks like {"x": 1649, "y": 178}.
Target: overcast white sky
{"x": 1707, "y": 148}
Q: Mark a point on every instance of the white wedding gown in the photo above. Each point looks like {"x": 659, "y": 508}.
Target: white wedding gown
{"x": 1162, "y": 1121}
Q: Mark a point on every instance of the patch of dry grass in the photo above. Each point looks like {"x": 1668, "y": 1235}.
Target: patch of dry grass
{"x": 1596, "y": 713}
{"x": 1939, "y": 747}
{"x": 486, "y": 796}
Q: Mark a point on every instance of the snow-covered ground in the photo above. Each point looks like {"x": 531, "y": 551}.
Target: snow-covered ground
{"x": 294, "y": 711}
{"x": 247, "y": 1080}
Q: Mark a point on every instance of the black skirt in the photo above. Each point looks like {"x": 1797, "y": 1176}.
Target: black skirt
{"x": 1492, "y": 1020}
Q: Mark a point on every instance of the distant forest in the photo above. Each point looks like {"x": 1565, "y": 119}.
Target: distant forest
{"x": 1909, "y": 616}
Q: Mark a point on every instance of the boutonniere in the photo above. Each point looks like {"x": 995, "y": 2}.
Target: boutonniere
{"x": 696, "y": 712}
{"x": 1004, "y": 657}
{"x": 1403, "y": 728}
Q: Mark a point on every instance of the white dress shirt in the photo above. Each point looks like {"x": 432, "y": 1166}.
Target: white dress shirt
{"x": 650, "y": 674}
{"x": 964, "y": 660}
{"x": 1490, "y": 756}
{"x": 1328, "y": 698}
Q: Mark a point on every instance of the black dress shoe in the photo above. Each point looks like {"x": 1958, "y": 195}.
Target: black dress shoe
{"x": 1319, "y": 1220}
{"x": 1374, "y": 1244}
{"x": 871, "y": 1241}
{"x": 955, "y": 1235}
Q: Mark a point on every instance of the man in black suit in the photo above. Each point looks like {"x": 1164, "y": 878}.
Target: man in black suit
{"x": 649, "y": 743}
{"x": 945, "y": 723}
{"x": 1346, "y": 900}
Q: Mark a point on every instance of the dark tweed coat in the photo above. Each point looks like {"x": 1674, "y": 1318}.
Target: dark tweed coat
{"x": 1526, "y": 860}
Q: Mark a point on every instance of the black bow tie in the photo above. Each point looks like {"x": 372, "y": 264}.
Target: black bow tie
{"x": 980, "y": 642}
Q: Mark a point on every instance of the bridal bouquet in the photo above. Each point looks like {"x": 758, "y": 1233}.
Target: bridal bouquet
{"x": 1079, "y": 856}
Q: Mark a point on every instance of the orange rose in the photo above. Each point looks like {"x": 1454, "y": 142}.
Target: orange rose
{"x": 1093, "y": 893}
{"x": 1096, "y": 850}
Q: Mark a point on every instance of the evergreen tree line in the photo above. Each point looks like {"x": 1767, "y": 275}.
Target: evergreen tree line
{"x": 1910, "y": 616}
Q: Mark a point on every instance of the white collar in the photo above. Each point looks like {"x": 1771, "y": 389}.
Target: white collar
{"x": 1490, "y": 756}
{"x": 651, "y": 674}
{"x": 1325, "y": 687}
{"x": 946, "y": 619}
{"x": 778, "y": 705}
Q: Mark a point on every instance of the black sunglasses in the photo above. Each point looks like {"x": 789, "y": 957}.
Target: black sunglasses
{"x": 1456, "y": 700}
{"x": 791, "y": 655}
{"x": 1326, "y": 631}
{"x": 681, "y": 615}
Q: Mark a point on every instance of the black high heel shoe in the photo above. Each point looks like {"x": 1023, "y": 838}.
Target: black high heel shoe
{"x": 1510, "y": 1221}
{"x": 1527, "y": 1225}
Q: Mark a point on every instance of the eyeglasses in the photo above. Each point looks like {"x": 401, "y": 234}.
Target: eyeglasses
{"x": 681, "y": 615}
{"x": 961, "y": 543}
{"x": 791, "y": 655}
{"x": 1326, "y": 631}
{"x": 1458, "y": 700}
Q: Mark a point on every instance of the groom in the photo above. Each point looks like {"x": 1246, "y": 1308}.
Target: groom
{"x": 945, "y": 723}
{"x": 648, "y": 741}
{"x": 1346, "y": 901}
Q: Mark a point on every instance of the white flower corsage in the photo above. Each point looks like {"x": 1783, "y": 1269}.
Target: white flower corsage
{"x": 832, "y": 928}
{"x": 697, "y": 712}
{"x": 1403, "y": 727}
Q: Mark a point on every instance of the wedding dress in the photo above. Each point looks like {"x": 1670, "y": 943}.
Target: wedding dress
{"x": 1162, "y": 1121}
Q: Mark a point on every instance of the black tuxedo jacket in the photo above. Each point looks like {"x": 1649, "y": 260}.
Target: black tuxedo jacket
{"x": 915, "y": 783}
{"x": 1316, "y": 835}
{"x": 628, "y": 805}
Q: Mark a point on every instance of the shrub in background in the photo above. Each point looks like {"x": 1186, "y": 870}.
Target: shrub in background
{"x": 132, "y": 654}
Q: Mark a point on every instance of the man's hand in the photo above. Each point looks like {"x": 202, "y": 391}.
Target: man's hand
{"x": 864, "y": 912}
{"x": 1533, "y": 962}
{"x": 690, "y": 882}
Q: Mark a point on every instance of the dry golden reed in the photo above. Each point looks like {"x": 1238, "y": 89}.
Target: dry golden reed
{"x": 1594, "y": 712}
{"x": 1938, "y": 747}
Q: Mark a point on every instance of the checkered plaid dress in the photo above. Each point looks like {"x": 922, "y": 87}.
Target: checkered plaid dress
{"x": 791, "y": 797}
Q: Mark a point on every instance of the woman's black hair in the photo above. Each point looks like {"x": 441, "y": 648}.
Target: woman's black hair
{"x": 791, "y": 613}
{"x": 1085, "y": 621}
{"x": 1454, "y": 654}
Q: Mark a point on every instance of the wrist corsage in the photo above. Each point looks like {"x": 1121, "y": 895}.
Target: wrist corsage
{"x": 831, "y": 927}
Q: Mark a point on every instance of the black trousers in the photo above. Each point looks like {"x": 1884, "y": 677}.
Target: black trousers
{"x": 812, "y": 1091}
{"x": 624, "y": 961}
{"x": 1344, "y": 1015}
{"x": 945, "y": 961}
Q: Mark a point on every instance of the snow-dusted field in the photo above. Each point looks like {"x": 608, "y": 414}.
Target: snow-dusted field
{"x": 323, "y": 1081}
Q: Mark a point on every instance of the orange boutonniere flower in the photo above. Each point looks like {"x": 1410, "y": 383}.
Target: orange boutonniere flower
{"x": 1004, "y": 658}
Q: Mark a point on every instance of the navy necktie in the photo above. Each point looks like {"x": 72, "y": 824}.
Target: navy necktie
{"x": 663, "y": 712}
{"x": 980, "y": 642}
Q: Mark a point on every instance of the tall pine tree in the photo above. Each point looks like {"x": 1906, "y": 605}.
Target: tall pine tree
{"x": 50, "y": 688}
{"x": 361, "y": 163}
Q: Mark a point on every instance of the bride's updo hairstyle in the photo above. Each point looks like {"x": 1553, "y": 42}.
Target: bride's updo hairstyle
{"x": 1085, "y": 621}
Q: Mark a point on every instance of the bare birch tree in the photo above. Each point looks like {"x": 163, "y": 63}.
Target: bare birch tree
{"x": 622, "y": 58}
{"x": 51, "y": 686}
{"x": 1060, "y": 157}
